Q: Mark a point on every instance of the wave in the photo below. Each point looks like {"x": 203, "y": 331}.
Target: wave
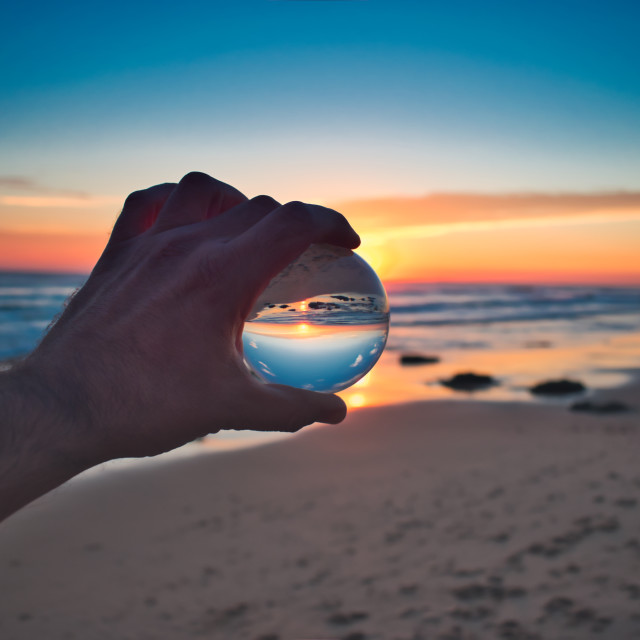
{"x": 453, "y": 305}
{"x": 28, "y": 303}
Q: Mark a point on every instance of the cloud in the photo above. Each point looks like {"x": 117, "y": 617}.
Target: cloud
{"x": 446, "y": 208}
{"x": 17, "y": 182}
{"x": 25, "y": 186}
{"x": 56, "y": 201}
{"x": 26, "y": 192}
{"x": 383, "y": 219}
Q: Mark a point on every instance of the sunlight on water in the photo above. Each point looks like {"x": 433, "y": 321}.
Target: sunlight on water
{"x": 320, "y": 325}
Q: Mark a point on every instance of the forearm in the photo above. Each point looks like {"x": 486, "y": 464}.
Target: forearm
{"x": 35, "y": 433}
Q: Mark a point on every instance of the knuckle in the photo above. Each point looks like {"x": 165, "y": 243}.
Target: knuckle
{"x": 294, "y": 215}
{"x": 265, "y": 202}
{"x": 195, "y": 178}
{"x": 165, "y": 189}
{"x": 331, "y": 216}
{"x": 136, "y": 198}
{"x": 340, "y": 219}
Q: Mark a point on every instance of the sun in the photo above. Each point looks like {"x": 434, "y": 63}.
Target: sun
{"x": 356, "y": 400}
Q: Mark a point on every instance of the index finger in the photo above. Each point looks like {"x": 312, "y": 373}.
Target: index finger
{"x": 197, "y": 197}
{"x": 285, "y": 233}
{"x": 140, "y": 211}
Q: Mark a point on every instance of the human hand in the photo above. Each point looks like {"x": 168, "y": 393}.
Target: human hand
{"x": 147, "y": 355}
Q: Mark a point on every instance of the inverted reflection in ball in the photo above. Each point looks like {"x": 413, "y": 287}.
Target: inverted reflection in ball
{"x": 321, "y": 324}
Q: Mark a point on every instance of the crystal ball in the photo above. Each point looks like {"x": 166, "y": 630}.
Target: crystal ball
{"x": 321, "y": 324}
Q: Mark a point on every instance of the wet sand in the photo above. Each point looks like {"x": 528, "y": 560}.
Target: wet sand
{"x": 435, "y": 520}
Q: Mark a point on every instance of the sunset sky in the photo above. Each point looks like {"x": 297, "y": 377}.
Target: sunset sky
{"x": 466, "y": 141}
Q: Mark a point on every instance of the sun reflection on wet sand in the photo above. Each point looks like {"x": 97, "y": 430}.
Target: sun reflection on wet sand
{"x": 599, "y": 361}
{"x": 599, "y": 365}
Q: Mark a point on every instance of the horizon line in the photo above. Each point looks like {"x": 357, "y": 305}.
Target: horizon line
{"x": 634, "y": 283}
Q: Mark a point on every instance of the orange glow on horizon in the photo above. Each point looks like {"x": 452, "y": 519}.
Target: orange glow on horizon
{"x": 579, "y": 239}
{"x": 74, "y": 253}
{"x": 604, "y": 253}
{"x": 503, "y": 276}
{"x": 446, "y": 259}
{"x": 356, "y": 400}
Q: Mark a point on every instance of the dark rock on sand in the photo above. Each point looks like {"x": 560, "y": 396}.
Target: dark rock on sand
{"x": 469, "y": 382}
{"x": 603, "y": 408}
{"x": 415, "y": 359}
{"x": 324, "y": 305}
{"x": 557, "y": 388}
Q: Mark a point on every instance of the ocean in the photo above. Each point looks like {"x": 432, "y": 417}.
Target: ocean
{"x": 425, "y": 317}
{"x": 29, "y": 302}
{"x": 444, "y": 316}
{"x": 520, "y": 335}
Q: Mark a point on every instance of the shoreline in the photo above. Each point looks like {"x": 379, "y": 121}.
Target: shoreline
{"x": 228, "y": 441}
{"x": 436, "y": 519}
{"x": 232, "y": 440}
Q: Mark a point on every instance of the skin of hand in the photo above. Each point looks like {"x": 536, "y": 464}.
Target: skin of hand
{"x": 147, "y": 355}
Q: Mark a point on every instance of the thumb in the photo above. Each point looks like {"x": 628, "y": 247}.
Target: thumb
{"x": 282, "y": 408}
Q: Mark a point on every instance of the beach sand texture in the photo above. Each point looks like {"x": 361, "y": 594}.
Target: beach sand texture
{"x": 439, "y": 520}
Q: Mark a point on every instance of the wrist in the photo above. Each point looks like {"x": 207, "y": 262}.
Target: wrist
{"x": 39, "y": 436}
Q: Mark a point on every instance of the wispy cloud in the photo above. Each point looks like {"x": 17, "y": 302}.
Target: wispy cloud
{"x": 16, "y": 182}
{"x": 437, "y": 214}
{"x": 446, "y": 208}
{"x": 27, "y": 185}
{"x": 22, "y": 191}
{"x": 56, "y": 201}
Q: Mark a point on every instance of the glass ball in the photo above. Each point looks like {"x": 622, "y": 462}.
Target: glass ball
{"x": 321, "y": 324}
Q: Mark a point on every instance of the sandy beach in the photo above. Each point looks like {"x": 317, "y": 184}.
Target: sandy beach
{"x": 446, "y": 520}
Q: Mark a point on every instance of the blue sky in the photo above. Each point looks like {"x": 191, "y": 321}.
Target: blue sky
{"x": 323, "y": 100}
